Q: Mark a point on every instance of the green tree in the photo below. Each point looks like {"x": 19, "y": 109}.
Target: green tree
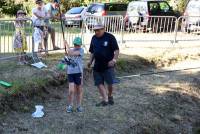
{"x": 9, "y": 7}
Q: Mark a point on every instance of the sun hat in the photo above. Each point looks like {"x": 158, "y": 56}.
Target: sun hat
{"x": 98, "y": 26}
{"x": 38, "y": 1}
{"x": 21, "y": 12}
{"x": 77, "y": 41}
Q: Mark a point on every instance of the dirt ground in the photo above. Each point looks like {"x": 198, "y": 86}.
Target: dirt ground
{"x": 166, "y": 103}
{"x": 156, "y": 104}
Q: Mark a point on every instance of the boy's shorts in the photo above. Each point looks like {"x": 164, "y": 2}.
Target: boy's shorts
{"x": 107, "y": 76}
{"x": 75, "y": 78}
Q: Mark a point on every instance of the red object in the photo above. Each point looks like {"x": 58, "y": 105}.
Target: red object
{"x": 148, "y": 16}
{"x": 185, "y": 14}
{"x": 126, "y": 17}
{"x": 104, "y": 13}
{"x": 78, "y": 16}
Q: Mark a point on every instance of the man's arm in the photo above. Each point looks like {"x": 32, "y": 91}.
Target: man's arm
{"x": 90, "y": 60}
{"x": 116, "y": 55}
{"x": 49, "y": 13}
{"x": 114, "y": 48}
{"x": 38, "y": 16}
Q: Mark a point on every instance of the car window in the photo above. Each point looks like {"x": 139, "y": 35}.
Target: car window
{"x": 116, "y": 7}
{"x": 143, "y": 8}
{"x": 193, "y": 6}
{"x": 75, "y": 10}
{"x": 133, "y": 8}
{"x": 160, "y": 6}
{"x": 164, "y": 6}
{"x": 95, "y": 8}
{"x": 154, "y": 7}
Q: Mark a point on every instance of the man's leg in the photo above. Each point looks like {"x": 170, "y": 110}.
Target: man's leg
{"x": 45, "y": 44}
{"x": 110, "y": 90}
{"x": 52, "y": 33}
{"x": 109, "y": 78}
{"x": 103, "y": 93}
{"x": 110, "y": 97}
{"x": 99, "y": 82}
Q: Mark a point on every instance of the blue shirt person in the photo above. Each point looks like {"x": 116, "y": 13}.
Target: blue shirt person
{"x": 52, "y": 11}
{"x": 104, "y": 51}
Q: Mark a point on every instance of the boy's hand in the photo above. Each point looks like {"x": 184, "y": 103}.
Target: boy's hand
{"x": 66, "y": 43}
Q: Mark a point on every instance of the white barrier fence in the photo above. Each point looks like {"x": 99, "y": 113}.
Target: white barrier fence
{"x": 134, "y": 28}
{"x": 150, "y": 28}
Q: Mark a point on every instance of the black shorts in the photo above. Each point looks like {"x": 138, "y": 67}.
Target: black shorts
{"x": 75, "y": 78}
{"x": 107, "y": 76}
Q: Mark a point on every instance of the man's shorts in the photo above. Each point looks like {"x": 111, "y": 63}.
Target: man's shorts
{"x": 50, "y": 29}
{"x": 75, "y": 78}
{"x": 107, "y": 76}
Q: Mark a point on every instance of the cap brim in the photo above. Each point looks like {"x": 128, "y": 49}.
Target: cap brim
{"x": 98, "y": 28}
{"x": 21, "y": 12}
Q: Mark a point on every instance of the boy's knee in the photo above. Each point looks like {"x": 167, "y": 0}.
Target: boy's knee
{"x": 71, "y": 91}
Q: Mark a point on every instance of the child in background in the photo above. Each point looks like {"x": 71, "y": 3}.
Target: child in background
{"x": 20, "y": 43}
{"x": 75, "y": 74}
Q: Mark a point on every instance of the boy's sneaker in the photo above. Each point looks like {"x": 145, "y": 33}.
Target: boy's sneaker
{"x": 69, "y": 109}
{"x": 103, "y": 104}
{"x": 110, "y": 100}
{"x": 79, "y": 109}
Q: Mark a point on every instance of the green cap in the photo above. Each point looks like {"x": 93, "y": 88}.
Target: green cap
{"x": 77, "y": 41}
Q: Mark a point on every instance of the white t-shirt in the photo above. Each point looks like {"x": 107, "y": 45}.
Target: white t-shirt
{"x": 37, "y": 21}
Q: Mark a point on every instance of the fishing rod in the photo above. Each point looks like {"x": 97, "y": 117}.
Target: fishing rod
{"x": 61, "y": 22}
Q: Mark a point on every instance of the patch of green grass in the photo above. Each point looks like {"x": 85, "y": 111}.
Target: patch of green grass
{"x": 21, "y": 86}
{"x": 7, "y": 28}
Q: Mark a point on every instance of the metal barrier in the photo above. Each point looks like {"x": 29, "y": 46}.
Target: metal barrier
{"x": 135, "y": 28}
{"x": 150, "y": 28}
{"x": 7, "y": 35}
{"x": 188, "y": 28}
{"x": 113, "y": 24}
{"x": 73, "y": 28}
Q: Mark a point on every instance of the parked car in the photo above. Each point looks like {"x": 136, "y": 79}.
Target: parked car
{"x": 192, "y": 23}
{"x": 75, "y": 16}
{"x": 142, "y": 14}
{"x": 96, "y": 10}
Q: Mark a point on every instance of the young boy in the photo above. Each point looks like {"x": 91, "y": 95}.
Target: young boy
{"x": 75, "y": 74}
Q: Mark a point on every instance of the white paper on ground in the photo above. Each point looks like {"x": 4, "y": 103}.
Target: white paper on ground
{"x": 39, "y": 65}
{"x": 38, "y": 112}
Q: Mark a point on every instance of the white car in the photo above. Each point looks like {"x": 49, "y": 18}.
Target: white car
{"x": 192, "y": 16}
{"x": 75, "y": 16}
